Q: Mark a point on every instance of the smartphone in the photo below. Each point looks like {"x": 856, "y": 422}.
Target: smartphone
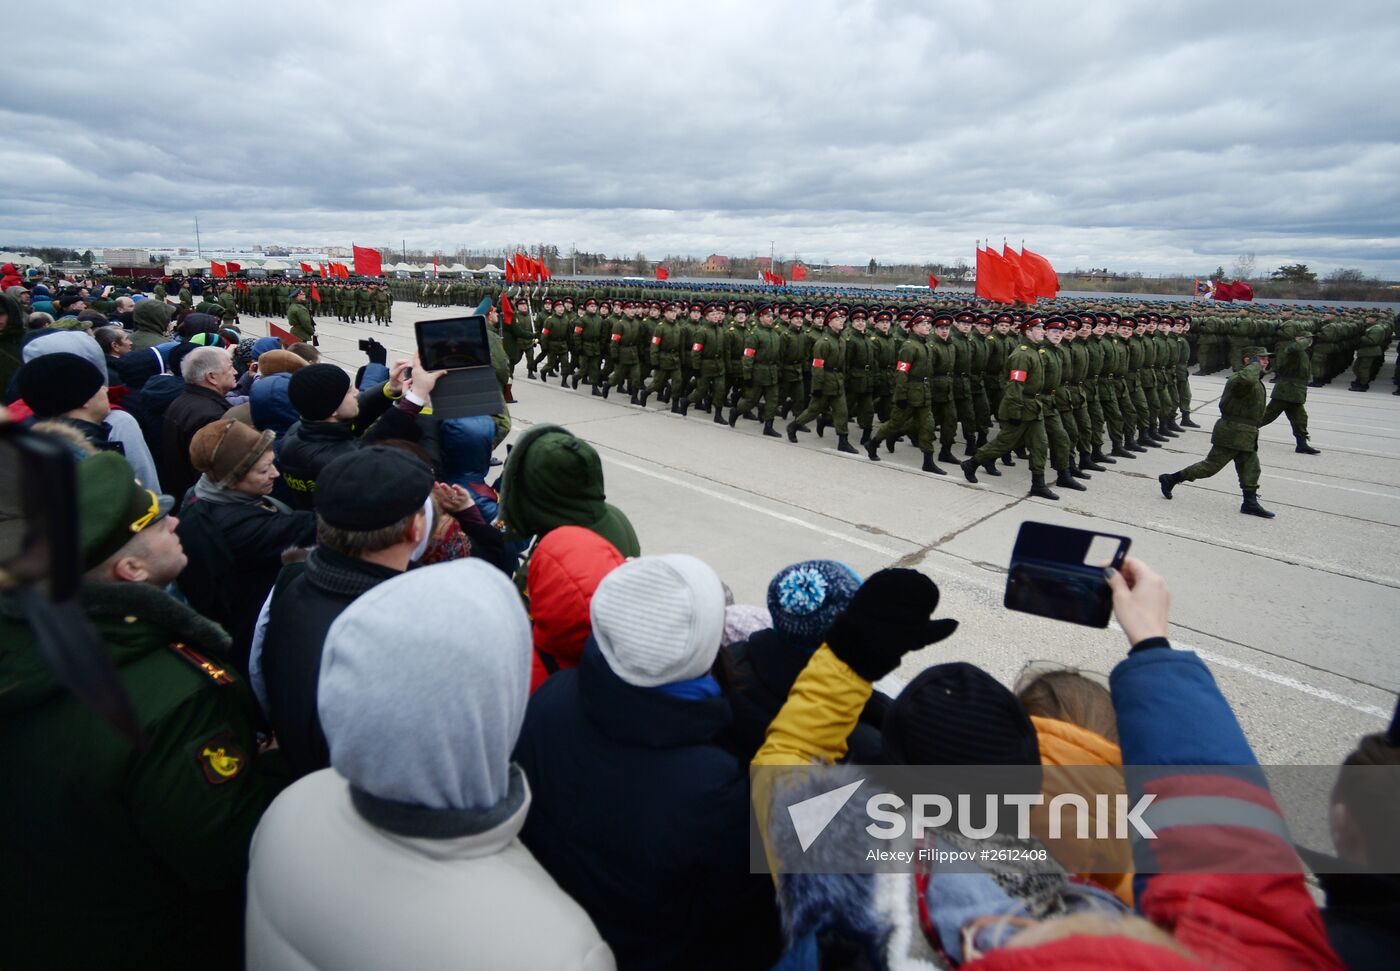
{"x": 1058, "y": 572}
{"x": 453, "y": 342}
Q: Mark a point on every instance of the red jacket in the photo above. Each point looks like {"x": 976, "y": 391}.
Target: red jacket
{"x": 565, "y": 568}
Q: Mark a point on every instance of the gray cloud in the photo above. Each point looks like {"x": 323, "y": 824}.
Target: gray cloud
{"x": 1102, "y": 133}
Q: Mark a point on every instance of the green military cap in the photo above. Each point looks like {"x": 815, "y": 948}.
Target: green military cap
{"x": 112, "y": 506}
{"x": 1255, "y": 351}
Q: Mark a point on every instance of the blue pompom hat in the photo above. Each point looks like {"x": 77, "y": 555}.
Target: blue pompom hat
{"x": 806, "y": 597}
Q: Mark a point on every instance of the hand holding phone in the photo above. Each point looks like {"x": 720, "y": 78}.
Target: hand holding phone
{"x": 1060, "y": 572}
{"x": 1141, "y": 600}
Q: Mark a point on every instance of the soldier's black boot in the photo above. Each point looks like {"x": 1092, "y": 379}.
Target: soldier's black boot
{"x": 719, "y": 414}
{"x": 969, "y": 470}
{"x": 733, "y": 417}
{"x": 1251, "y": 507}
{"x": 1064, "y": 480}
{"x": 872, "y": 449}
{"x": 635, "y": 399}
{"x": 769, "y": 431}
{"x": 822, "y": 422}
{"x": 1155, "y": 435}
{"x": 682, "y": 406}
{"x": 792, "y": 432}
{"x": 989, "y": 467}
{"x": 1077, "y": 472}
{"x": 1357, "y": 386}
{"x": 576, "y": 380}
{"x": 1317, "y": 383}
{"x": 598, "y": 391}
{"x": 929, "y": 465}
{"x": 1086, "y": 462}
{"x": 865, "y": 436}
{"x": 945, "y": 454}
{"x": 1173, "y": 426}
{"x": 1186, "y": 421}
{"x": 1099, "y": 458}
{"x": 704, "y": 406}
{"x": 843, "y": 444}
{"x": 1021, "y": 452}
{"x": 1039, "y": 488}
{"x": 1305, "y": 448}
{"x": 981, "y": 439}
{"x": 1008, "y": 461}
{"x": 889, "y": 443}
{"x": 1168, "y": 481}
{"x": 1130, "y": 443}
{"x": 1164, "y": 431}
{"x": 1146, "y": 441}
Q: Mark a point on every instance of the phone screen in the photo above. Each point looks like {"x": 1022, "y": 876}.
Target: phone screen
{"x": 454, "y": 342}
{"x": 1058, "y": 572}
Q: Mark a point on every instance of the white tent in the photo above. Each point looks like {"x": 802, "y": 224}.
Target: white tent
{"x": 404, "y": 268}
{"x": 20, "y": 259}
{"x": 276, "y": 265}
{"x": 457, "y": 268}
{"x": 491, "y": 268}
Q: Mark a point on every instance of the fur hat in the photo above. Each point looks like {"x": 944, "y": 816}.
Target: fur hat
{"x": 279, "y": 362}
{"x": 226, "y": 450}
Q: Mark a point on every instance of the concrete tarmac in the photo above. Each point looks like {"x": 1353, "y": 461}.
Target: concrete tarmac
{"x": 1296, "y": 616}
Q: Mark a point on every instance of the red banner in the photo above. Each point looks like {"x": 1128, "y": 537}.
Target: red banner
{"x": 233, "y": 267}
{"x": 1241, "y": 290}
{"x": 1021, "y": 281}
{"x": 1223, "y": 292}
{"x": 306, "y": 268}
{"x": 662, "y": 273}
{"x": 217, "y": 268}
{"x": 994, "y": 281}
{"x": 799, "y": 272}
{"x": 1047, "y": 281}
{"x": 367, "y": 261}
{"x": 932, "y": 282}
{"x": 315, "y": 294}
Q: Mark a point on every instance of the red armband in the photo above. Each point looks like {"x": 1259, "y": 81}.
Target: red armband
{"x": 578, "y": 330}
{"x": 750, "y": 352}
{"x": 544, "y": 331}
{"x": 1018, "y": 376}
{"x": 656, "y": 339}
{"x": 902, "y": 366}
{"x": 697, "y": 347}
{"x": 818, "y": 362}
{"x": 617, "y": 337}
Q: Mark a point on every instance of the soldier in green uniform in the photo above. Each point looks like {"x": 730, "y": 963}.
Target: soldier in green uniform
{"x": 229, "y": 305}
{"x": 886, "y": 353}
{"x": 942, "y": 359}
{"x": 668, "y": 347}
{"x": 1147, "y": 375}
{"x": 860, "y": 374}
{"x": 791, "y": 385}
{"x": 1078, "y": 332}
{"x": 383, "y": 305}
{"x": 362, "y": 302}
{"x": 553, "y": 341}
{"x": 912, "y": 415}
{"x": 1142, "y": 413}
{"x": 1164, "y": 364}
{"x": 1293, "y": 370}
{"x": 1182, "y": 370}
{"x": 588, "y": 332}
{"x": 707, "y": 359}
{"x": 1235, "y": 437}
{"x": 981, "y": 351}
{"x": 736, "y": 334}
{"x": 1055, "y": 396}
{"x": 649, "y": 323}
{"x": 625, "y": 354}
{"x": 761, "y": 360}
{"x": 1091, "y": 340}
{"x": 962, "y": 382}
{"x": 1000, "y": 343}
{"x": 1369, "y": 355}
{"x": 121, "y": 852}
{"x": 299, "y": 320}
{"x": 1121, "y": 331}
{"x": 1021, "y": 413}
{"x": 186, "y": 298}
{"x": 828, "y": 384}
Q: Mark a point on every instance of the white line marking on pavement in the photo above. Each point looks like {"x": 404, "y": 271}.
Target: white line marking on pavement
{"x": 1328, "y": 485}
{"x": 892, "y": 685}
{"x": 1290, "y": 558}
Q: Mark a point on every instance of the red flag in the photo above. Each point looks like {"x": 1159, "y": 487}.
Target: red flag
{"x": 932, "y": 281}
{"x": 306, "y": 268}
{"x": 507, "y": 311}
{"x": 315, "y": 294}
{"x": 544, "y": 273}
{"x": 1223, "y": 291}
{"x": 241, "y": 285}
{"x": 217, "y": 268}
{"x": 1241, "y": 290}
{"x": 994, "y": 280}
{"x": 233, "y": 267}
{"x": 1021, "y": 281}
{"x": 1042, "y": 274}
{"x": 367, "y": 261}
{"x": 799, "y": 272}
{"x": 286, "y": 337}
{"x": 435, "y": 267}
{"x": 662, "y": 273}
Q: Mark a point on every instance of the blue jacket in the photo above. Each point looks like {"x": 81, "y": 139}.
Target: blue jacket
{"x": 270, "y": 406}
{"x": 466, "y": 444}
{"x": 644, "y": 820}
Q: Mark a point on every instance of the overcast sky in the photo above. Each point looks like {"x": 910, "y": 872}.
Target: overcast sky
{"x": 1154, "y": 137}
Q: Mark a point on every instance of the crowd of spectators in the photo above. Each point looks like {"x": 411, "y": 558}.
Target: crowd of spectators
{"x": 399, "y": 714}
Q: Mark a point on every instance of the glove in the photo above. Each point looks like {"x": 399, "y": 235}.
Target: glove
{"x": 376, "y": 352}
{"x": 888, "y": 617}
{"x": 315, "y": 341}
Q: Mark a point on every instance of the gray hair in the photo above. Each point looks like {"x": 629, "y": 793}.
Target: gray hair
{"x": 108, "y": 337}
{"x": 202, "y": 362}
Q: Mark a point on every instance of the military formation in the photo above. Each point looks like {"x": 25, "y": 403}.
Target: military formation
{"x": 348, "y": 301}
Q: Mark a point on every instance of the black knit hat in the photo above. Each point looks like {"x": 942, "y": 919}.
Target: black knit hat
{"x": 958, "y": 714}
{"x": 317, "y": 390}
{"x": 371, "y": 488}
{"x": 55, "y": 383}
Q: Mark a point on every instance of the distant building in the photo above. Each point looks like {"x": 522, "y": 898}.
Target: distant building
{"x": 126, "y": 257}
{"x": 764, "y": 262}
{"x": 844, "y": 271}
{"x": 714, "y": 263}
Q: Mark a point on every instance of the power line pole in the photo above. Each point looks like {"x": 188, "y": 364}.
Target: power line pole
{"x": 198, "y": 249}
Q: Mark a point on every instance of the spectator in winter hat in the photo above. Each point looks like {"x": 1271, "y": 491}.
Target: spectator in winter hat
{"x": 566, "y": 569}
{"x": 639, "y": 813}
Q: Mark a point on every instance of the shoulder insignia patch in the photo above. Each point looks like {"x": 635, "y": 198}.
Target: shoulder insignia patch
{"x": 215, "y": 673}
{"x": 220, "y": 758}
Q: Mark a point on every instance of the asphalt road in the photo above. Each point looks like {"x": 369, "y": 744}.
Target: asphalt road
{"x": 1296, "y": 616}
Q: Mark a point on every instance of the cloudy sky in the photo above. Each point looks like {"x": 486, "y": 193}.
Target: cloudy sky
{"x": 1153, "y": 137}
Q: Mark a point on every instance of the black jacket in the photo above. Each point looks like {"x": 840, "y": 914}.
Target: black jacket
{"x": 235, "y": 554}
{"x": 644, "y": 820}
{"x": 309, "y": 446}
{"x": 308, "y": 599}
{"x": 1362, "y": 913}
{"x": 186, "y": 415}
{"x": 757, "y": 676}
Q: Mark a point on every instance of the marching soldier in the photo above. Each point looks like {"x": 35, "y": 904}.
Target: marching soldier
{"x": 707, "y": 356}
{"x": 299, "y": 320}
{"x": 625, "y": 354}
{"x": 1235, "y": 437}
{"x": 911, "y": 416}
{"x": 668, "y": 347}
{"x": 860, "y": 377}
{"x": 886, "y": 352}
{"x": 791, "y": 386}
{"x": 761, "y": 360}
{"x": 1292, "y": 373}
{"x": 828, "y": 384}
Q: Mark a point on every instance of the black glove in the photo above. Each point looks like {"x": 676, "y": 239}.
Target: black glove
{"x": 315, "y": 341}
{"x": 376, "y": 352}
{"x": 888, "y": 617}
